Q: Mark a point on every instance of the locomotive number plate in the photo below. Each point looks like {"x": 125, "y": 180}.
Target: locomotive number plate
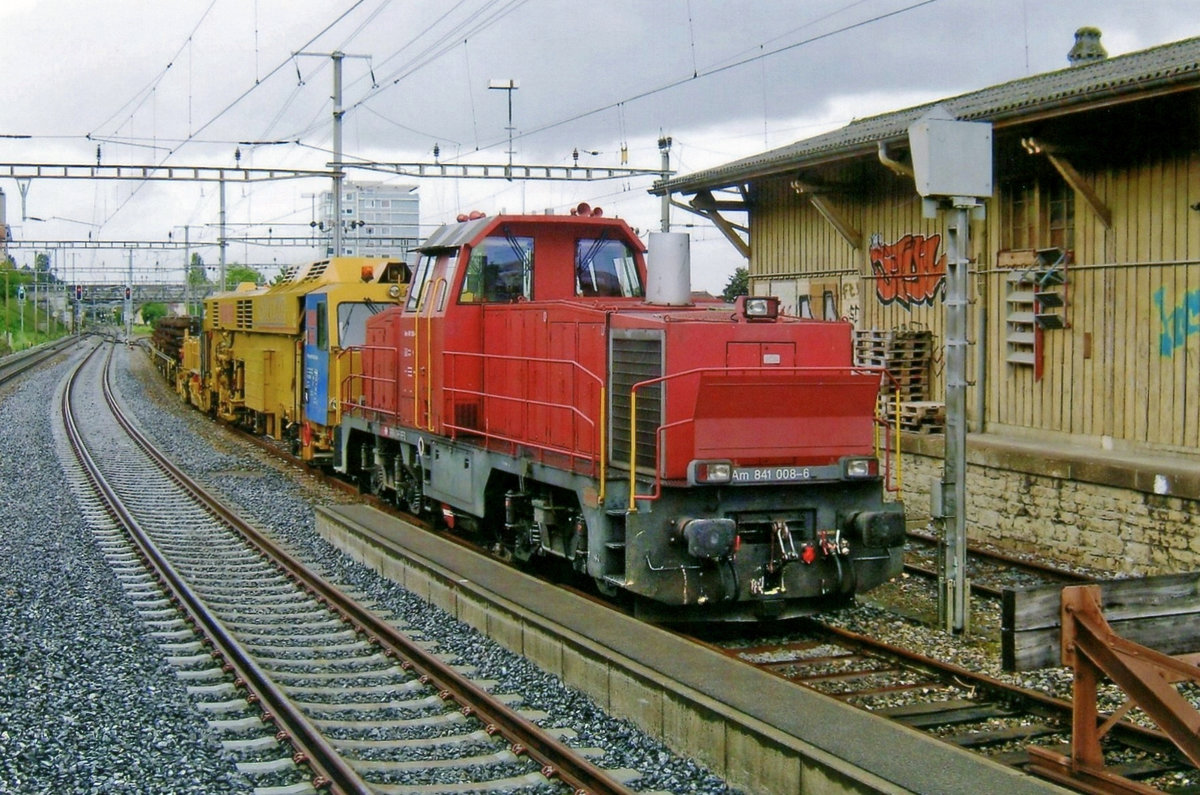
{"x": 772, "y": 474}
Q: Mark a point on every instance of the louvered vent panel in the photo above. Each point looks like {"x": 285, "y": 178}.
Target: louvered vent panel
{"x": 245, "y": 313}
{"x": 634, "y": 359}
{"x": 316, "y": 271}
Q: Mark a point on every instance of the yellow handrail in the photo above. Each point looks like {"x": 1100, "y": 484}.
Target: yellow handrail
{"x": 416, "y": 387}
{"x": 603, "y": 448}
{"x": 432, "y": 299}
{"x": 632, "y": 447}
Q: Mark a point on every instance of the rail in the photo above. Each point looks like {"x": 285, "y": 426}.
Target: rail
{"x": 697, "y": 372}
{"x": 312, "y": 748}
{"x": 557, "y": 760}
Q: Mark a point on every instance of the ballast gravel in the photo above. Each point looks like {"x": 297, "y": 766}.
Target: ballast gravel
{"x": 87, "y": 701}
{"x": 283, "y": 504}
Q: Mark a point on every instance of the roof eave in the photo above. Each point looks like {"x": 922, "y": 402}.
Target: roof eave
{"x": 783, "y": 162}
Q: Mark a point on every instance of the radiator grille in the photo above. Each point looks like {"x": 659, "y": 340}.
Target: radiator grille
{"x": 635, "y": 358}
{"x": 245, "y": 313}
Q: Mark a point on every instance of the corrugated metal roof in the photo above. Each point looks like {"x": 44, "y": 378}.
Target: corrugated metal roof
{"x": 1168, "y": 64}
{"x": 455, "y": 234}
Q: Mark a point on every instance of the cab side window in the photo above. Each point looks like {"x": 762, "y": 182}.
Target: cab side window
{"x": 416, "y": 291}
{"x": 500, "y": 270}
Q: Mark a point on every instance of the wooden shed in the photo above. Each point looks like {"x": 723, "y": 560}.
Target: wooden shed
{"x": 1085, "y": 287}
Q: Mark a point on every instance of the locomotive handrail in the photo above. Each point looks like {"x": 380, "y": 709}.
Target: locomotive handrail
{"x": 698, "y": 371}
{"x": 598, "y": 458}
{"x": 348, "y": 382}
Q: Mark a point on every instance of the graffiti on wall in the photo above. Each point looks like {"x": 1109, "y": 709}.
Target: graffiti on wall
{"x": 1181, "y": 322}
{"x": 908, "y": 272}
{"x": 851, "y": 307}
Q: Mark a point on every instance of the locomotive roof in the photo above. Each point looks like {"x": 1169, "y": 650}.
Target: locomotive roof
{"x": 463, "y": 232}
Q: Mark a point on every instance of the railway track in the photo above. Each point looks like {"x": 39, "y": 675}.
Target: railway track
{"x": 308, "y": 687}
{"x": 13, "y": 365}
{"x": 988, "y": 571}
{"x": 960, "y": 706}
{"x": 964, "y": 708}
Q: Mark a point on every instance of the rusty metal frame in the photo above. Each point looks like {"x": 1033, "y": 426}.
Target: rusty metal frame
{"x": 1148, "y": 677}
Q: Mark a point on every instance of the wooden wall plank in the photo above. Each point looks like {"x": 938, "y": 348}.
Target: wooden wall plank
{"x": 1160, "y": 612}
{"x": 1102, "y": 395}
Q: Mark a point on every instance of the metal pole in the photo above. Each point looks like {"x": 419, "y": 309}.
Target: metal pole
{"x": 953, "y": 601}
{"x": 187, "y": 273}
{"x": 129, "y": 300}
{"x": 338, "y": 175}
{"x": 221, "y": 242}
{"x": 510, "y": 130}
{"x": 664, "y": 146}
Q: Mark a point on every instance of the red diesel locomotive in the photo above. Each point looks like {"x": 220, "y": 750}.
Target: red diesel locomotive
{"x": 715, "y": 462}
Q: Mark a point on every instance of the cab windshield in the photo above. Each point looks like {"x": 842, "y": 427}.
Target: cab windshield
{"x": 606, "y": 268}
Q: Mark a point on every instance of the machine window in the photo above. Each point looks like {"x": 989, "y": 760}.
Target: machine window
{"x": 352, "y": 323}
{"x": 606, "y": 268}
{"x": 322, "y": 327}
{"x": 500, "y": 270}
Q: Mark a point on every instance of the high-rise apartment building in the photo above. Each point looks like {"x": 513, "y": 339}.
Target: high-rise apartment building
{"x": 377, "y": 220}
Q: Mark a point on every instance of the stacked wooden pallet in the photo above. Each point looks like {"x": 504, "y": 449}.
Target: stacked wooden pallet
{"x": 907, "y": 355}
{"x": 923, "y": 416}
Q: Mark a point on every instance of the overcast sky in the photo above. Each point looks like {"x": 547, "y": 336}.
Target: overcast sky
{"x": 182, "y": 82}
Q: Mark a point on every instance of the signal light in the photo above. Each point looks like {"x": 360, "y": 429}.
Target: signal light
{"x": 128, "y": 293}
{"x": 79, "y": 292}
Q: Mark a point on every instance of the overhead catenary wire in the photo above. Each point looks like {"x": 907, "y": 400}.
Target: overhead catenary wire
{"x": 714, "y": 71}
{"x": 144, "y": 93}
{"x": 282, "y": 65}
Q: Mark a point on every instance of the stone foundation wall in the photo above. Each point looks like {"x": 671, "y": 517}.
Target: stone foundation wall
{"x": 1053, "y": 513}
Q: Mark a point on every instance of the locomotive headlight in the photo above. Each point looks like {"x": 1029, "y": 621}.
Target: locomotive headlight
{"x": 394, "y": 291}
{"x": 762, "y": 307}
{"x": 701, "y": 472}
{"x": 860, "y": 467}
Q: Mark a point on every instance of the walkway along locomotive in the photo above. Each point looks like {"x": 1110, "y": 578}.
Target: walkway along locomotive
{"x": 716, "y": 462}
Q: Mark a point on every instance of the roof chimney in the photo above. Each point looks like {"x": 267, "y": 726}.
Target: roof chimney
{"x": 1087, "y": 48}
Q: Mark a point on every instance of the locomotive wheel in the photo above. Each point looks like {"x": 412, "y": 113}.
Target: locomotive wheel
{"x": 377, "y": 481}
{"x": 606, "y": 588}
